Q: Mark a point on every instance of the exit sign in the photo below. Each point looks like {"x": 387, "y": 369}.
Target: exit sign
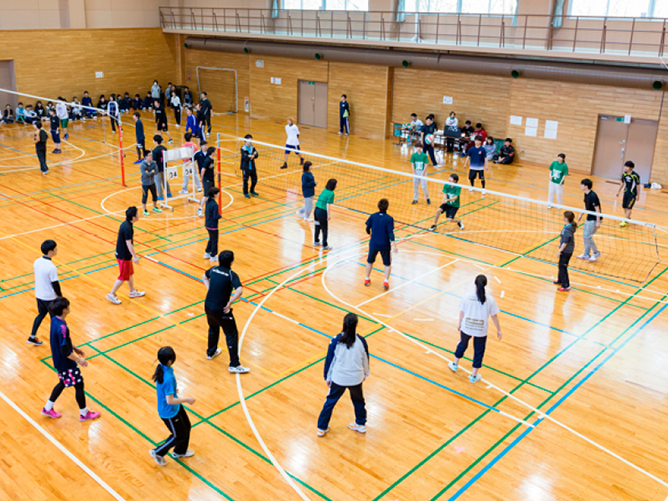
{"x": 619, "y": 119}
{"x": 311, "y": 83}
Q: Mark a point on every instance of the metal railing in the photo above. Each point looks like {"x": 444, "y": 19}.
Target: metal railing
{"x": 594, "y": 35}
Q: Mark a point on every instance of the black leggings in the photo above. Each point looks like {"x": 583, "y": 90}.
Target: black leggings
{"x": 145, "y": 189}
{"x": 212, "y": 245}
{"x": 473, "y": 173}
{"x": 563, "y": 279}
{"x": 42, "y": 310}
{"x": 177, "y": 115}
{"x": 80, "y": 394}
{"x": 179, "y": 438}
{"x": 321, "y": 224}
{"x": 252, "y": 175}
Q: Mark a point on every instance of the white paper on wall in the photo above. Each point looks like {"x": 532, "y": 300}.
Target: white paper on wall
{"x": 531, "y": 131}
{"x": 551, "y": 127}
{"x": 515, "y": 120}
{"x": 532, "y": 122}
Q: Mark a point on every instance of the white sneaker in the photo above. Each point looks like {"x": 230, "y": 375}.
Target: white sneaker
{"x": 461, "y": 225}
{"x": 188, "y": 454}
{"x": 239, "y": 370}
{"x": 183, "y": 192}
{"x": 594, "y": 257}
{"x": 360, "y": 428}
{"x": 316, "y": 244}
{"x": 583, "y": 256}
{"x": 135, "y": 293}
{"x": 474, "y": 379}
{"x": 308, "y": 219}
{"x": 321, "y": 433}
{"x": 199, "y": 190}
{"x": 207, "y": 255}
{"x": 199, "y": 212}
{"x": 299, "y": 213}
{"x": 327, "y": 247}
{"x": 113, "y": 299}
{"x": 453, "y": 366}
{"x": 218, "y": 352}
{"x": 158, "y": 459}
{"x": 213, "y": 259}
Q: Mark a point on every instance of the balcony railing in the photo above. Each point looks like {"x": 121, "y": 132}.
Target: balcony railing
{"x": 575, "y": 34}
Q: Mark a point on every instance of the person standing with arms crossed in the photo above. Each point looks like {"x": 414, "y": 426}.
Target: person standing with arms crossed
{"x": 419, "y": 162}
{"x": 248, "y": 156}
{"x": 139, "y": 136}
{"x": 346, "y": 367}
{"x": 474, "y": 310}
{"x": 66, "y": 360}
{"x": 206, "y": 108}
{"x": 381, "y": 228}
{"x": 148, "y": 170}
{"x": 47, "y": 287}
{"x": 632, "y": 186}
{"x": 344, "y": 115}
{"x": 558, "y": 173}
{"x": 171, "y": 410}
{"x": 476, "y": 158}
{"x": 41, "y": 137}
{"x": 592, "y": 223}
{"x": 566, "y": 248}
{"x": 224, "y": 288}
{"x": 126, "y": 256}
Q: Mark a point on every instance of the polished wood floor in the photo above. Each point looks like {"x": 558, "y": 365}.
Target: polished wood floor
{"x": 572, "y": 406}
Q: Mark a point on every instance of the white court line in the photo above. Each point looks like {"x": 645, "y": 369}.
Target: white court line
{"x": 394, "y": 289}
{"x": 492, "y": 385}
{"x": 503, "y": 293}
{"x": 62, "y": 224}
{"x": 381, "y": 315}
{"x": 423, "y": 320}
{"x": 497, "y": 279}
{"x": 62, "y": 449}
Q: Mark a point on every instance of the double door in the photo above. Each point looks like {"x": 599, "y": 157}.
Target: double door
{"x": 617, "y": 142}
{"x": 313, "y": 103}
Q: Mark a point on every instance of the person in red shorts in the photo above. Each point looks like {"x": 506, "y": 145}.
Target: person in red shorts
{"x": 126, "y": 256}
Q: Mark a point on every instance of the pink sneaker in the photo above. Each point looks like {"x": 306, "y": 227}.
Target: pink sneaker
{"x": 89, "y": 416}
{"x": 52, "y": 413}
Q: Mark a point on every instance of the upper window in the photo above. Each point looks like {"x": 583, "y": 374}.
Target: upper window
{"x": 619, "y": 8}
{"x": 362, "y": 5}
{"x": 462, "y": 6}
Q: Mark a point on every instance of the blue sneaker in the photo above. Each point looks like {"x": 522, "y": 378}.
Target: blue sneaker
{"x": 246, "y": 195}
{"x": 160, "y": 198}
{"x": 137, "y": 162}
{"x": 169, "y": 196}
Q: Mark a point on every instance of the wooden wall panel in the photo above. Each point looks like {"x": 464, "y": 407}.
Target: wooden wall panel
{"x": 278, "y": 102}
{"x": 576, "y": 107}
{"x": 367, "y": 90}
{"x": 64, "y": 62}
{"x": 475, "y": 97}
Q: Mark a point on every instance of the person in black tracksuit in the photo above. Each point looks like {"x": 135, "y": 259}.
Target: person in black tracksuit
{"x": 212, "y": 215}
{"x": 248, "y": 156}
{"x": 428, "y": 129}
{"x": 41, "y": 138}
{"x": 344, "y": 115}
{"x": 206, "y": 109}
{"x": 139, "y": 135}
{"x": 221, "y": 282}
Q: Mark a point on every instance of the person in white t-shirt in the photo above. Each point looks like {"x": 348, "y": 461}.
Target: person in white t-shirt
{"x": 63, "y": 115}
{"x": 47, "y": 287}
{"x": 292, "y": 143}
{"x": 175, "y": 101}
{"x": 474, "y": 310}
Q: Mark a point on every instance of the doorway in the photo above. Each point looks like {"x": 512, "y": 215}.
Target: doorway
{"x": 313, "y": 104}
{"x": 7, "y": 81}
{"x": 617, "y": 142}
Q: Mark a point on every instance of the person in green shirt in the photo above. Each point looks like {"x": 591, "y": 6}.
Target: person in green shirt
{"x": 450, "y": 203}
{"x": 322, "y": 214}
{"x": 558, "y": 173}
{"x": 419, "y": 161}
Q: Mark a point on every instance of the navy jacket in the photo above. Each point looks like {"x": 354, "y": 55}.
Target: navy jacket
{"x": 308, "y": 185}
{"x": 381, "y": 228}
{"x": 343, "y": 107}
{"x": 139, "y": 131}
{"x": 211, "y": 215}
{"x": 246, "y": 163}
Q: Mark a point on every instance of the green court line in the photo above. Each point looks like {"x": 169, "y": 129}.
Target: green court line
{"x": 532, "y": 413}
{"x": 539, "y": 370}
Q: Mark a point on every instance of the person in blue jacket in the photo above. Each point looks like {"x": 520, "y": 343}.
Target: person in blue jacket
{"x": 346, "y": 367}
{"x": 344, "y": 115}
{"x": 381, "y": 228}
{"x": 308, "y": 190}
{"x": 139, "y": 135}
{"x": 248, "y": 156}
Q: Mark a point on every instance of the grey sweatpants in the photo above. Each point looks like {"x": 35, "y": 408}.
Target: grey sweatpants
{"x": 308, "y": 207}
{"x": 417, "y": 181}
{"x": 588, "y": 237}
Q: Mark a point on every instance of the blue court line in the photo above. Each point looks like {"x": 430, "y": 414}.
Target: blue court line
{"x": 499, "y": 456}
{"x": 18, "y": 151}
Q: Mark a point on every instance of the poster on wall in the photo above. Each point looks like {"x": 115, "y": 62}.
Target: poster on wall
{"x": 551, "y": 127}
{"x": 515, "y": 120}
{"x": 447, "y": 99}
{"x": 531, "y": 128}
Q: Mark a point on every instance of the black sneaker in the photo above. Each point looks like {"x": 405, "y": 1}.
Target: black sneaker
{"x": 284, "y": 166}
{"x": 428, "y": 202}
{"x": 414, "y": 202}
{"x": 432, "y": 227}
{"x": 301, "y": 160}
{"x": 35, "y": 341}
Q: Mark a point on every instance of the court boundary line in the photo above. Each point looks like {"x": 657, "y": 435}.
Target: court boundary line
{"x": 62, "y": 448}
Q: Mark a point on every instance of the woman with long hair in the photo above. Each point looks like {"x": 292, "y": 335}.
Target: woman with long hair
{"x": 170, "y": 409}
{"x": 474, "y": 310}
{"x": 346, "y": 366}
{"x": 308, "y": 191}
{"x": 566, "y": 248}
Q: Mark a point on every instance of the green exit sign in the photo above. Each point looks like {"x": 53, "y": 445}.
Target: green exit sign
{"x": 619, "y": 119}
{"x": 313, "y": 83}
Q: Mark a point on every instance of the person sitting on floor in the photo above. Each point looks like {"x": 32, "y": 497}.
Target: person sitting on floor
{"x": 507, "y": 153}
{"x": 8, "y": 115}
{"x": 490, "y": 148}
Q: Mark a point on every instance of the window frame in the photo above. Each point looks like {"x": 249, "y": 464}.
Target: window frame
{"x": 651, "y": 8}
{"x": 323, "y": 7}
{"x": 458, "y": 10}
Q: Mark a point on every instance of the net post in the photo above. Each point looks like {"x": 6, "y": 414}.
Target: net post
{"x": 220, "y": 183}
{"x": 120, "y": 144}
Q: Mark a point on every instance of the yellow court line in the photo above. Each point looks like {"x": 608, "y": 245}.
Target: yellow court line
{"x": 138, "y": 303}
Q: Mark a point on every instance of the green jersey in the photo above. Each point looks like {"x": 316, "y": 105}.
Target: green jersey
{"x": 326, "y": 197}
{"x": 451, "y": 191}
{"x": 420, "y": 162}
{"x": 558, "y": 171}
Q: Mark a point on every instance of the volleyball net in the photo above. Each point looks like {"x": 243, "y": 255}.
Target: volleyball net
{"x": 517, "y": 225}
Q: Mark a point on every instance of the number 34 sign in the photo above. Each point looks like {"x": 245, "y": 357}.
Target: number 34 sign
{"x": 172, "y": 172}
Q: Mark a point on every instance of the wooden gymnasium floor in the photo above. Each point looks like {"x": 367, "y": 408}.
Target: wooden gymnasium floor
{"x": 592, "y": 361}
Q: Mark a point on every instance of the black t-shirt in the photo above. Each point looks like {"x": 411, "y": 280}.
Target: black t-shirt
{"x": 125, "y": 232}
{"x": 160, "y": 117}
{"x": 591, "y": 202}
{"x": 222, "y": 281}
{"x": 467, "y": 130}
{"x": 428, "y": 129}
{"x": 157, "y": 154}
{"x": 207, "y": 165}
{"x": 205, "y": 106}
{"x": 42, "y": 138}
{"x": 54, "y": 121}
